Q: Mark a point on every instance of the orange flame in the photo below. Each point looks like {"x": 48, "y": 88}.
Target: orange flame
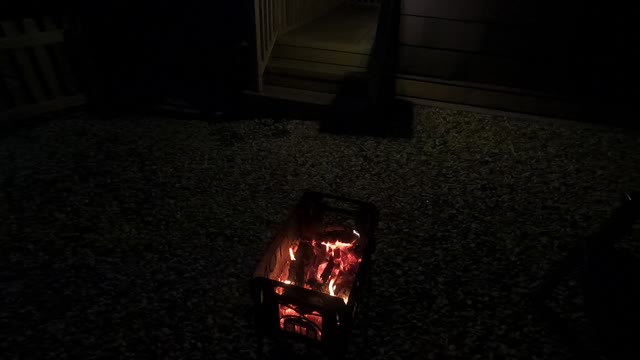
{"x": 342, "y": 257}
{"x": 332, "y": 287}
{"x": 337, "y": 245}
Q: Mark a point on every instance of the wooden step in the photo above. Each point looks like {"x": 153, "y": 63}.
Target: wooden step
{"x": 285, "y": 102}
{"x": 324, "y": 56}
{"x": 330, "y": 87}
{"x": 310, "y": 70}
{"x": 292, "y": 94}
{"x": 350, "y": 28}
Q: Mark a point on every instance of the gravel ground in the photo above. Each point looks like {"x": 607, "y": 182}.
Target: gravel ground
{"x": 136, "y": 238}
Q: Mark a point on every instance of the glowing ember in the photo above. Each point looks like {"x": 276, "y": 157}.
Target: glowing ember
{"x": 327, "y": 263}
{"x": 337, "y": 245}
{"x": 321, "y": 268}
{"x": 311, "y": 327}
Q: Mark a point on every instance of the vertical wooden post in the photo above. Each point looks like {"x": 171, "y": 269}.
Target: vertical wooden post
{"x": 263, "y": 19}
{"x": 272, "y": 20}
{"x": 258, "y": 49}
{"x": 280, "y": 15}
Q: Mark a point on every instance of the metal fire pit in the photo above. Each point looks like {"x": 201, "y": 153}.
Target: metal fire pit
{"x": 308, "y": 283}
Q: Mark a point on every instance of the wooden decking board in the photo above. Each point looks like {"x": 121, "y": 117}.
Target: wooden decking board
{"x": 311, "y": 69}
{"x": 298, "y": 95}
{"x": 330, "y": 87}
{"x": 459, "y": 94}
{"x": 318, "y": 55}
{"x": 350, "y": 28}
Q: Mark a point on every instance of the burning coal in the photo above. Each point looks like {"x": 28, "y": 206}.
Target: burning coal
{"x": 328, "y": 263}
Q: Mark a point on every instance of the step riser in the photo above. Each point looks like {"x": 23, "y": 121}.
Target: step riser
{"x": 302, "y": 74}
{"x": 302, "y": 83}
{"x": 310, "y": 70}
{"x": 320, "y": 56}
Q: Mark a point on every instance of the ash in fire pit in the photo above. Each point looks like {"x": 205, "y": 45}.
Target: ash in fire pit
{"x": 308, "y": 281}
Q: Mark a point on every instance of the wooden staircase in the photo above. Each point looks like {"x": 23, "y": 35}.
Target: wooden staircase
{"x": 310, "y": 62}
{"x": 358, "y": 39}
{"x": 342, "y": 63}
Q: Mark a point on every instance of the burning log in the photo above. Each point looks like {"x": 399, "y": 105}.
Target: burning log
{"x": 320, "y": 253}
{"x": 327, "y": 264}
{"x": 327, "y": 270}
{"x": 299, "y": 262}
{"x": 341, "y": 235}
